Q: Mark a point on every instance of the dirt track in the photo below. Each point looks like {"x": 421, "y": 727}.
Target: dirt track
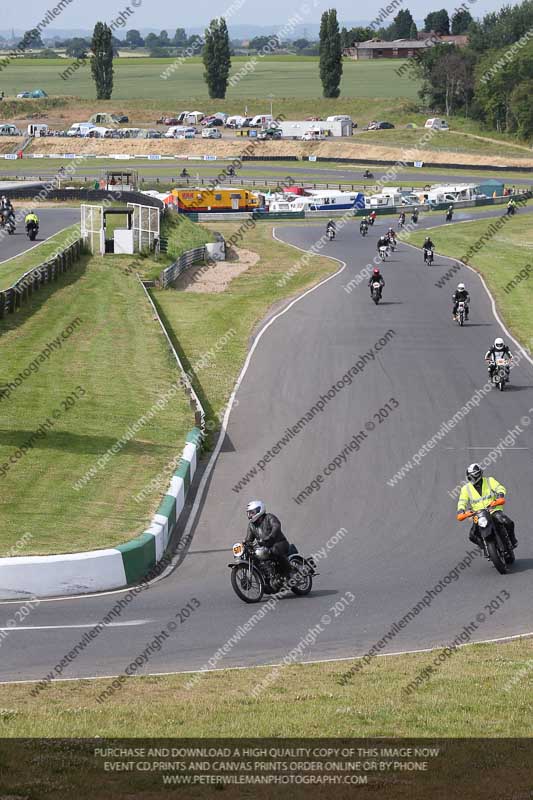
{"x": 235, "y": 148}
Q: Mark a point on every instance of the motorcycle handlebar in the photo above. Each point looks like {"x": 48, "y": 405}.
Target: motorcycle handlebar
{"x": 500, "y": 501}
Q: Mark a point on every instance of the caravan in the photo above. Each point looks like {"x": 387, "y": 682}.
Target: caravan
{"x": 316, "y": 200}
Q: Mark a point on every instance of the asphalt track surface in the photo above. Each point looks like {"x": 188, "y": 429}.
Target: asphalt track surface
{"x": 52, "y": 220}
{"x": 400, "y": 541}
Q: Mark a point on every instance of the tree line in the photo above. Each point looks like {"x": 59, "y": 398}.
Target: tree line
{"x": 491, "y": 79}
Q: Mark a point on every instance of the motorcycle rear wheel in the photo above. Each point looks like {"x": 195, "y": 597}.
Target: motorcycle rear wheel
{"x": 249, "y": 589}
{"x": 305, "y": 581}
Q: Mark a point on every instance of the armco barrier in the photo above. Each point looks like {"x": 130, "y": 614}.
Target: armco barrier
{"x": 33, "y": 280}
{"x": 112, "y": 568}
{"x": 186, "y": 260}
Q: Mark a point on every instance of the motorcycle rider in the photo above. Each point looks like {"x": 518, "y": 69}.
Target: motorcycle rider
{"x": 428, "y": 245}
{"x": 383, "y": 241}
{"x": 498, "y": 350}
{"x": 391, "y": 236}
{"x": 511, "y": 207}
{"x": 373, "y": 216}
{"x": 477, "y": 494}
{"x": 6, "y": 208}
{"x": 414, "y": 215}
{"x": 265, "y": 530}
{"x": 363, "y": 225}
{"x": 401, "y": 219}
{"x": 460, "y": 294}
{"x": 331, "y": 227}
{"x": 31, "y": 219}
{"x": 449, "y": 214}
{"x": 376, "y": 276}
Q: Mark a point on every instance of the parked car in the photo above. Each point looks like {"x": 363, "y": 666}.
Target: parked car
{"x": 313, "y": 136}
{"x": 121, "y": 118}
{"x": 379, "y": 126}
{"x": 270, "y": 133}
{"x": 168, "y": 121}
{"x": 24, "y": 94}
{"x": 214, "y": 122}
{"x": 211, "y": 133}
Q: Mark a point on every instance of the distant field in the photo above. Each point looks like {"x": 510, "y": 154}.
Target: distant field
{"x": 141, "y": 77}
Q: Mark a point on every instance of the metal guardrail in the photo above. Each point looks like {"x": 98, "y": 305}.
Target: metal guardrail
{"x": 186, "y": 260}
{"x": 13, "y": 297}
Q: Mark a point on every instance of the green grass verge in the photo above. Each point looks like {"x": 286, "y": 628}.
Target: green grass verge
{"x": 119, "y": 357}
{"x": 500, "y": 261}
{"x": 481, "y": 691}
{"x": 12, "y": 269}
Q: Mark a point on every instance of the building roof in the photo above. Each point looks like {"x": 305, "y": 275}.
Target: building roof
{"x": 395, "y": 44}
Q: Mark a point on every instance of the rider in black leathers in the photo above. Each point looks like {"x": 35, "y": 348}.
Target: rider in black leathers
{"x": 265, "y": 529}
{"x": 461, "y": 293}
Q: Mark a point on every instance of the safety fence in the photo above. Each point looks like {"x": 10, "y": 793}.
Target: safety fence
{"x": 12, "y": 298}
{"x": 187, "y": 259}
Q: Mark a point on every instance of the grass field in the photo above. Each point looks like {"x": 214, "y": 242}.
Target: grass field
{"x": 141, "y": 77}
{"x": 481, "y": 691}
{"x": 117, "y": 355}
{"x": 508, "y": 252}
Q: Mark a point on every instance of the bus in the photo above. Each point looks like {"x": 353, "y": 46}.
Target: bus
{"x": 205, "y": 201}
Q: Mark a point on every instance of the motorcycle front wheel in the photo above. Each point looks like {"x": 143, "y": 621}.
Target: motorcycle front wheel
{"x": 496, "y": 557}
{"x": 248, "y": 586}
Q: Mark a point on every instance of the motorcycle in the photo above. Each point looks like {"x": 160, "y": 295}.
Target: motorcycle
{"x": 428, "y": 256}
{"x": 254, "y": 572}
{"x": 330, "y": 234}
{"x": 376, "y": 292}
{"x": 184, "y": 174}
{"x": 383, "y": 252}
{"x": 511, "y": 210}
{"x": 371, "y": 219}
{"x": 392, "y": 245}
{"x": 32, "y": 229}
{"x": 368, "y": 174}
{"x": 500, "y": 375}
{"x": 10, "y": 225}
{"x": 449, "y": 216}
{"x": 494, "y": 538}
{"x": 363, "y": 230}
{"x": 414, "y": 217}
{"x": 401, "y": 223}
{"x": 461, "y": 313}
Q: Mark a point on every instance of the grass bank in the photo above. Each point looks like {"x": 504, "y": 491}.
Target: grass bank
{"x": 12, "y": 269}
{"x": 481, "y": 691}
{"x": 503, "y": 261}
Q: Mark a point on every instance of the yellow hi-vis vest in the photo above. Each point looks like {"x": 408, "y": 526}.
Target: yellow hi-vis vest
{"x": 471, "y": 500}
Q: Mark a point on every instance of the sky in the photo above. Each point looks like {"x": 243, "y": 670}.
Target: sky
{"x": 170, "y": 15}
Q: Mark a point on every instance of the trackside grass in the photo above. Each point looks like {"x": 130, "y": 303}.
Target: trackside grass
{"x": 11, "y": 270}
{"x": 92, "y": 340}
{"x": 505, "y": 261}
{"x": 481, "y": 691}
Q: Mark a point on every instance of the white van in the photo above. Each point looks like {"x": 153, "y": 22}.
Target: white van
{"x": 437, "y": 124}
{"x": 8, "y": 129}
{"x": 80, "y": 128}
{"x": 37, "y": 129}
{"x": 260, "y": 120}
{"x": 339, "y": 118}
{"x": 236, "y": 121}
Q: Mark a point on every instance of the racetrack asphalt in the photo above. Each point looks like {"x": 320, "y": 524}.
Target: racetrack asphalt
{"x": 398, "y": 541}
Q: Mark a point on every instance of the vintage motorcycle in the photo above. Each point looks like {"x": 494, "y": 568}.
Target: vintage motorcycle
{"x": 254, "y": 572}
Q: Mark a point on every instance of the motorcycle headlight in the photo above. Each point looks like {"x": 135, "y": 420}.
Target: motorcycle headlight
{"x": 483, "y": 522}
{"x": 238, "y": 549}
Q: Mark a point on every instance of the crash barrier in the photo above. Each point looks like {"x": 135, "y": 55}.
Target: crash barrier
{"x": 424, "y": 164}
{"x": 134, "y": 562}
{"x": 118, "y": 194}
{"x": 12, "y": 298}
{"x": 190, "y": 257}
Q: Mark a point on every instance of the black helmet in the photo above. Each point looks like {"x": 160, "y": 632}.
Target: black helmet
{"x": 474, "y": 473}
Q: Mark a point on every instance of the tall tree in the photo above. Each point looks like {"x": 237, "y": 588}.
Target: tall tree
{"x": 180, "y": 37}
{"x": 461, "y": 21}
{"x": 413, "y": 31}
{"x": 134, "y": 38}
{"x": 102, "y": 60}
{"x": 32, "y": 39}
{"x": 330, "y": 54}
{"x": 402, "y": 24}
{"x": 164, "y": 41}
{"x": 217, "y": 58}
{"x": 438, "y": 21}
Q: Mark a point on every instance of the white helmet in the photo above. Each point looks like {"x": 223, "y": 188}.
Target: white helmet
{"x": 460, "y": 287}
{"x": 255, "y": 510}
{"x": 499, "y": 343}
